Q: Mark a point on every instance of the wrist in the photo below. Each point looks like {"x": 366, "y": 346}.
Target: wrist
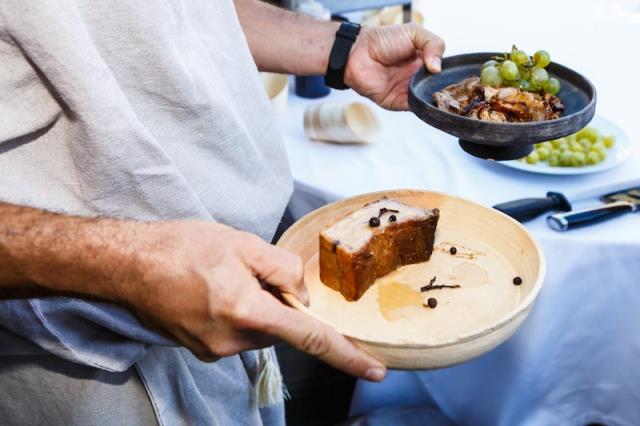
{"x": 128, "y": 261}
{"x": 328, "y": 35}
{"x": 351, "y": 66}
{"x": 344, "y": 41}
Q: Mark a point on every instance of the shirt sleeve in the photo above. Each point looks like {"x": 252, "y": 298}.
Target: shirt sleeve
{"x": 26, "y": 102}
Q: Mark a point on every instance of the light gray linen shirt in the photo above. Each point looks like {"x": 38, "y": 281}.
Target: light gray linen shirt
{"x": 145, "y": 109}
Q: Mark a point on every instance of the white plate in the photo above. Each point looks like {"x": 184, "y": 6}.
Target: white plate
{"x": 616, "y": 155}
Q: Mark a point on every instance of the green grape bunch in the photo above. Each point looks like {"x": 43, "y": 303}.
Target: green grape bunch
{"x": 517, "y": 69}
{"x": 585, "y": 148}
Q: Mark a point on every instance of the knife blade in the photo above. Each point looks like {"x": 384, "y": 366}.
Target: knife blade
{"x": 616, "y": 205}
{"x": 529, "y": 208}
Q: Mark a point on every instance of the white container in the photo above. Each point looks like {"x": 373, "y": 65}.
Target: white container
{"x": 341, "y": 123}
{"x": 277, "y": 88}
{"x": 314, "y": 9}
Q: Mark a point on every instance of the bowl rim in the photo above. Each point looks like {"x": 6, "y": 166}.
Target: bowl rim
{"x": 522, "y": 307}
{"x": 422, "y": 72}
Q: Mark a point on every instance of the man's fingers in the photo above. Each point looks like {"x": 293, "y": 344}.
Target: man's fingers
{"x": 318, "y": 339}
{"x": 431, "y": 46}
{"x": 401, "y": 99}
{"x": 276, "y": 266}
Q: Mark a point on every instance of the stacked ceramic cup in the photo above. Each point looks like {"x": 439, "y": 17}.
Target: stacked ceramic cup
{"x": 353, "y": 122}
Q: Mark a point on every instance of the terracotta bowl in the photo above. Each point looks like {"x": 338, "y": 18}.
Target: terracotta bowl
{"x": 492, "y": 249}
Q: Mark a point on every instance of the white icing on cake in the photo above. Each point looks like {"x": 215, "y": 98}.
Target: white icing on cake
{"x": 353, "y": 231}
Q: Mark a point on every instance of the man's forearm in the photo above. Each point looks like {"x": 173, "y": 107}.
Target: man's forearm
{"x": 44, "y": 254}
{"x": 284, "y": 41}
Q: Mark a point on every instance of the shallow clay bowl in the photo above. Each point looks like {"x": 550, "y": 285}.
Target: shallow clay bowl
{"x": 500, "y": 141}
{"x": 486, "y": 240}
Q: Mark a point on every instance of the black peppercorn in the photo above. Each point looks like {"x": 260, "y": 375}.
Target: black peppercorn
{"x": 392, "y": 218}
{"x": 374, "y": 222}
{"x": 453, "y": 250}
{"x": 432, "y": 302}
{"x": 517, "y": 280}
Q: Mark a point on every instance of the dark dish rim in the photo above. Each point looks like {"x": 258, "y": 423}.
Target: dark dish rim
{"x": 483, "y": 57}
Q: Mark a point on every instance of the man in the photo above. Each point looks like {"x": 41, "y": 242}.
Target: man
{"x": 153, "y": 113}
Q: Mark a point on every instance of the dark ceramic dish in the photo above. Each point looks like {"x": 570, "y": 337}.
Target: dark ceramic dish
{"x": 500, "y": 141}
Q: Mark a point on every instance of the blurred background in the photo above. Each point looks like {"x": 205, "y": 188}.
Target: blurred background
{"x": 597, "y": 38}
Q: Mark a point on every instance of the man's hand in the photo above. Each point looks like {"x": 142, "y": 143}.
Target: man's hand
{"x": 383, "y": 59}
{"x": 207, "y": 285}
{"x": 381, "y": 62}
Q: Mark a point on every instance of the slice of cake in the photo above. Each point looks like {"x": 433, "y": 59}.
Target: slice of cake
{"x": 373, "y": 241}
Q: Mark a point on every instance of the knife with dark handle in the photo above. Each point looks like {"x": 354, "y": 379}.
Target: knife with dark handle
{"x": 578, "y": 218}
{"x": 529, "y": 208}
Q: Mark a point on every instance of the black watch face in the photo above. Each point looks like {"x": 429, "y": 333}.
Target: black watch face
{"x": 350, "y": 27}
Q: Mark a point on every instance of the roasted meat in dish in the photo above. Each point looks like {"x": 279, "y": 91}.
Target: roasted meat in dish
{"x": 506, "y": 104}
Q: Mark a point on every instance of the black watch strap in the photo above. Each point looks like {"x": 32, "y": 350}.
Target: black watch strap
{"x": 345, "y": 37}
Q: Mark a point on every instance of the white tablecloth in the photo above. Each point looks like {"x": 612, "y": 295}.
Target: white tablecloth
{"x": 577, "y": 358}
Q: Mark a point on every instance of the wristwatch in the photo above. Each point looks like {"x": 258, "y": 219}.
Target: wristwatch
{"x": 345, "y": 37}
